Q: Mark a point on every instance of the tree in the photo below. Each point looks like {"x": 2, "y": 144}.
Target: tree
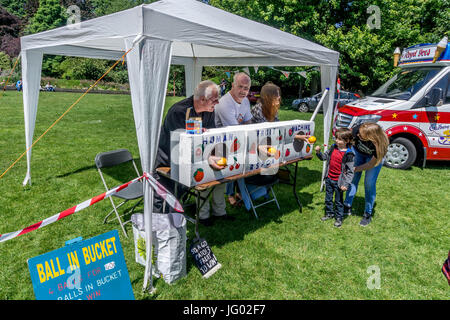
{"x": 49, "y": 15}
{"x": 9, "y": 24}
{"x": 31, "y": 7}
{"x": 107, "y": 7}
{"x": 5, "y": 62}
{"x": 342, "y": 25}
{"x": 176, "y": 81}
{"x": 14, "y": 7}
{"x": 366, "y": 53}
{"x": 87, "y": 9}
{"x": 10, "y": 27}
{"x": 302, "y": 18}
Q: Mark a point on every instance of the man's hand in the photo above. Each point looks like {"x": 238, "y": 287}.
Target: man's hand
{"x": 343, "y": 188}
{"x": 264, "y": 151}
{"x": 212, "y": 161}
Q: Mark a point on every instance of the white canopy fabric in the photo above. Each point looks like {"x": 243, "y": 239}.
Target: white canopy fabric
{"x": 184, "y": 32}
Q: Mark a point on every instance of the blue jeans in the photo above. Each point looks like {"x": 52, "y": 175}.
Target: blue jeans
{"x": 370, "y": 181}
{"x": 230, "y": 188}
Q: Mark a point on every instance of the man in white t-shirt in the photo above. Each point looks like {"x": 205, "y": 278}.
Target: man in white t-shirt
{"x": 234, "y": 107}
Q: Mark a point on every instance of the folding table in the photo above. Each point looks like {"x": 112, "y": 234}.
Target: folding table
{"x": 200, "y": 201}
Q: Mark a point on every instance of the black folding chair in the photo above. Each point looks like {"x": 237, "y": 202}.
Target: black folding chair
{"x": 132, "y": 192}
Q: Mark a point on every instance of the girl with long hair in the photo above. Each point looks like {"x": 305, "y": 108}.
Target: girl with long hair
{"x": 371, "y": 143}
{"x": 266, "y": 109}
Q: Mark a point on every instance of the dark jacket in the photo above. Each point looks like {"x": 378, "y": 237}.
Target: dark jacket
{"x": 366, "y": 148}
{"x": 176, "y": 119}
{"x": 347, "y": 167}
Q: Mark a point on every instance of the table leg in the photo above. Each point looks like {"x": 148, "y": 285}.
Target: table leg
{"x": 184, "y": 214}
{"x": 199, "y": 205}
{"x": 294, "y": 188}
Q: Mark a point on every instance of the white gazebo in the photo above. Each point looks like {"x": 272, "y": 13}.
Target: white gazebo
{"x": 182, "y": 32}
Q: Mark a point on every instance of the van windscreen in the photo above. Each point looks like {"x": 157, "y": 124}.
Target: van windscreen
{"x": 406, "y": 83}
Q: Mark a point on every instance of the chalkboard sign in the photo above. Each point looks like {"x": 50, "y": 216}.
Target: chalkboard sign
{"x": 204, "y": 258}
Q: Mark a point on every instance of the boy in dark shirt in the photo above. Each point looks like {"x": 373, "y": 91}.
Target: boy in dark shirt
{"x": 339, "y": 173}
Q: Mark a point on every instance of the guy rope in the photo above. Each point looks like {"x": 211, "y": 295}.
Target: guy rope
{"x": 67, "y": 111}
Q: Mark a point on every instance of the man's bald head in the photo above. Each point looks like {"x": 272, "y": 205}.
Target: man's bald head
{"x": 242, "y": 77}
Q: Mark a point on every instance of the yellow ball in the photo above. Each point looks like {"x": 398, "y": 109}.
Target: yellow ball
{"x": 222, "y": 162}
{"x": 312, "y": 139}
{"x": 272, "y": 150}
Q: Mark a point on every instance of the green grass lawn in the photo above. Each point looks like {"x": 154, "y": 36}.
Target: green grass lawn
{"x": 283, "y": 255}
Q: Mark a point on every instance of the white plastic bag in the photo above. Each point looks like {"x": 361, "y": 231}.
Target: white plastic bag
{"x": 169, "y": 241}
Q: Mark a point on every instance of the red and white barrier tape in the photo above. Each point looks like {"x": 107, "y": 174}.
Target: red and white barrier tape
{"x": 159, "y": 188}
{"x": 164, "y": 193}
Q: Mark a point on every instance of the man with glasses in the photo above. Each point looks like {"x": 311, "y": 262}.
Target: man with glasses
{"x": 200, "y": 105}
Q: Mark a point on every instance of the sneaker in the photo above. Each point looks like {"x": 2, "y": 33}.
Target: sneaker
{"x": 338, "y": 223}
{"x": 326, "y": 217}
{"x": 206, "y": 222}
{"x": 225, "y": 217}
{"x": 347, "y": 210}
{"x": 367, "y": 218}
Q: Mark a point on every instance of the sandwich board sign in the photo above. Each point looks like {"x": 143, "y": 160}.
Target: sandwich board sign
{"x": 92, "y": 269}
{"x": 204, "y": 258}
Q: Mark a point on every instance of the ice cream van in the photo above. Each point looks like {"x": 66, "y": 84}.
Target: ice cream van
{"x": 413, "y": 107}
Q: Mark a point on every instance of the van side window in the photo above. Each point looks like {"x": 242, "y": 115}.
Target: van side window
{"x": 443, "y": 84}
{"x": 447, "y": 96}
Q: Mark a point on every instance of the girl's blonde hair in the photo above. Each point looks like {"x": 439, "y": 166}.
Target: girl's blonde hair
{"x": 269, "y": 100}
{"x": 373, "y": 132}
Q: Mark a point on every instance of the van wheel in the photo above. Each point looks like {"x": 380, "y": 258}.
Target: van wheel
{"x": 401, "y": 154}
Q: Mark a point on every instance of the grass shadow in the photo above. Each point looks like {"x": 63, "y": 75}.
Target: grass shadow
{"x": 223, "y": 232}
{"x": 67, "y": 174}
{"x": 358, "y": 206}
{"x": 437, "y": 165}
{"x": 121, "y": 173}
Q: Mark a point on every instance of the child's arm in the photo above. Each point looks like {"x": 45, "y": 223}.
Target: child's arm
{"x": 320, "y": 155}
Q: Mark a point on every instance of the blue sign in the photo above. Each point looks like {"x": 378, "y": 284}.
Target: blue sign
{"x": 92, "y": 269}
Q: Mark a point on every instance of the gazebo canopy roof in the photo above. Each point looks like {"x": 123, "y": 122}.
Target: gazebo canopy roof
{"x": 196, "y": 30}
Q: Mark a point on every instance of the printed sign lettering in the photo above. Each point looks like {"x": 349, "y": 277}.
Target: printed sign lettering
{"x": 86, "y": 270}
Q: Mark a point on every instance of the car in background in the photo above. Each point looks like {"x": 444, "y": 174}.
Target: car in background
{"x": 310, "y": 103}
{"x": 253, "y": 95}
